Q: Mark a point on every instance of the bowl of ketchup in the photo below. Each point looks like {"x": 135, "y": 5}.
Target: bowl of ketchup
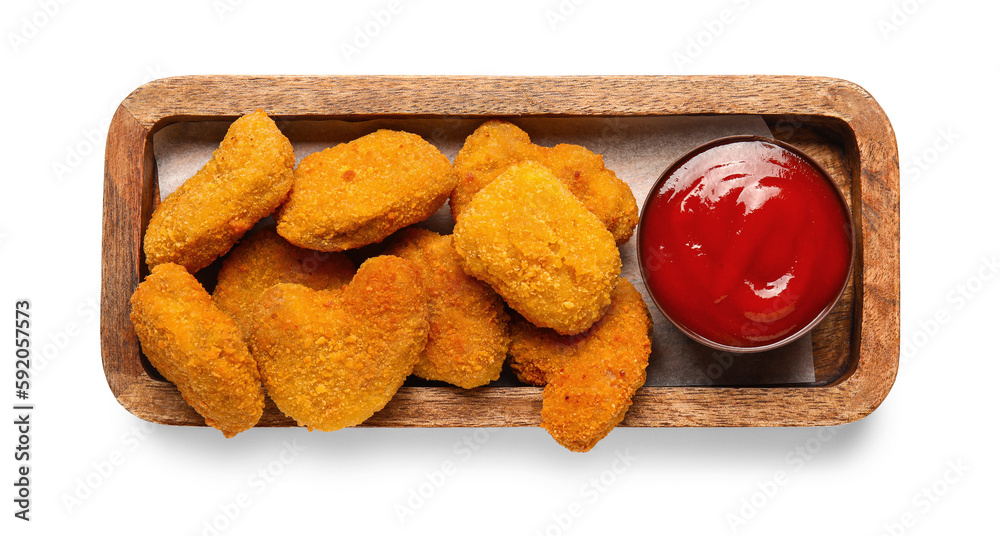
{"x": 745, "y": 243}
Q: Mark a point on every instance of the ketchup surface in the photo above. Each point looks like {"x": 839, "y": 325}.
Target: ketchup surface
{"x": 745, "y": 243}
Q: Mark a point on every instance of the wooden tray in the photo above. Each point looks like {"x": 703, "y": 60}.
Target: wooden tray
{"x": 836, "y": 122}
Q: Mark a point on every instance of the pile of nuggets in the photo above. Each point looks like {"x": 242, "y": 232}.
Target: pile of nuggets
{"x": 531, "y": 271}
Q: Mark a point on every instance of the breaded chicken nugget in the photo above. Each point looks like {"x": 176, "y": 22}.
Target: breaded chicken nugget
{"x": 539, "y": 248}
{"x": 468, "y": 325}
{"x": 263, "y": 260}
{"x": 497, "y": 144}
{"x": 198, "y": 348}
{"x": 589, "y": 378}
{"x": 247, "y": 178}
{"x": 489, "y": 151}
{"x": 331, "y": 358}
{"x": 597, "y": 187}
{"x": 360, "y": 192}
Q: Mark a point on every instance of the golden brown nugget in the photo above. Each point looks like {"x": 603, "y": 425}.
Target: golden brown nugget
{"x": 248, "y": 176}
{"x": 360, "y": 192}
{"x": 263, "y": 260}
{"x": 198, "y": 348}
{"x": 331, "y": 358}
{"x": 597, "y": 187}
{"x": 489, "y": 151}
{"x": 497, "y": 145}
{"x": 589, "y": 378}
{"x": 468, "y": 325}
{"x": 548, "y": 257}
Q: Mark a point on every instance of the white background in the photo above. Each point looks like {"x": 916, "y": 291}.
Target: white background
{"x": 933, "y": 67}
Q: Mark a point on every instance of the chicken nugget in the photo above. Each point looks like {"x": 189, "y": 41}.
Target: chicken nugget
{"x": 468, "y": 324}
{"x": 332, "y": 358}
{"x": 489, "y": 151}
{"x": 360, "y": 192}
{"x": 497, "y": 145}
{"x": 597, "y": 187}
{"x": 263, "y": 260}
{"x": 248, "y": 176}
{"x": 197, "y": 347}
{"x": 548, "y": 257}
{"x": 589, "y": 378}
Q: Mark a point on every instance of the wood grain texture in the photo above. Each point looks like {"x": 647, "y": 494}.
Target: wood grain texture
{"x": 831, "y": 339}
{"x": 835, "y": 121}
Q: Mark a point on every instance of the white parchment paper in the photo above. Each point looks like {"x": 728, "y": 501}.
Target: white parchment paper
{"x": 638, "y": 149}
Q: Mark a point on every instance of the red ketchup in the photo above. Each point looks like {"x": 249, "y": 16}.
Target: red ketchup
{"x": 745, "y": 243}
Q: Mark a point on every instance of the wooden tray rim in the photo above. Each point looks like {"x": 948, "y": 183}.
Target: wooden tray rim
{"x": 129, "y": 163}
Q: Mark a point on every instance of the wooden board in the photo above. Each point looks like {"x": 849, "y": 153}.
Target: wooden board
{"x": 836, "y": 122}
